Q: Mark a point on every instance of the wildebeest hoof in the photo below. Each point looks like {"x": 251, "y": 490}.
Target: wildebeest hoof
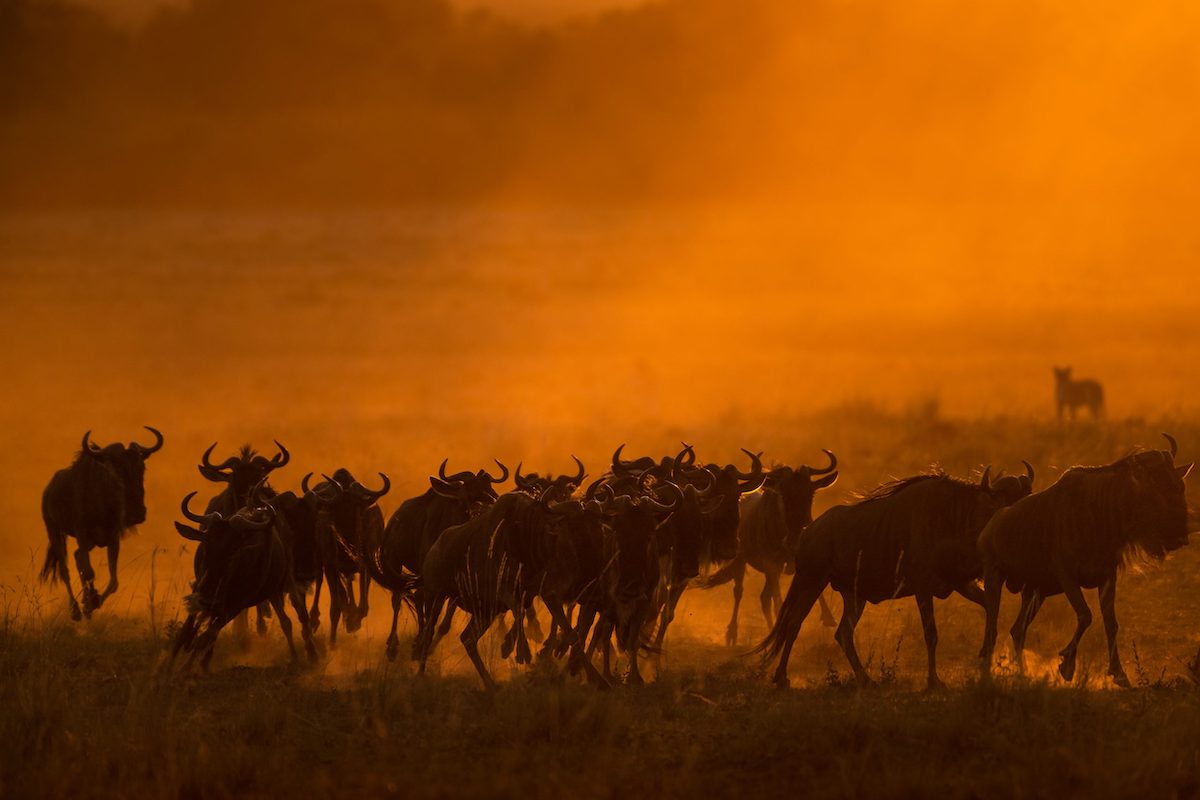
{"x": 393, "y": 649}
{"x": 635, "y": 679}
{"x": 76, "y": 614}
{"x": 782, "y": 682}
{"x": 1066, "y": 668}
{"x": 353, "y": 624}
{"x": 935, "y": 685}
{"x": 261, "y": 627}
{"x": 1121, "y": 679}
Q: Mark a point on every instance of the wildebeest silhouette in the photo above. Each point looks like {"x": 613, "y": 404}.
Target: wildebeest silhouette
{"x": 912, "y": 537}
{"x": 97, "y": 500}
{"x": 241, "y": 561}
{"x": 1076, "y": 535}
{"x": 415, "y": 526}
{"x": 770, "y": 522}
{"x": 1070, "y": 394}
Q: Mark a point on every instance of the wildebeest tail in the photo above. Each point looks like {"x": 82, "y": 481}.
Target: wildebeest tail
{"x": 722, "y": 576}
{"x": 801, "y": 595}
{"x": 56, "y": 557}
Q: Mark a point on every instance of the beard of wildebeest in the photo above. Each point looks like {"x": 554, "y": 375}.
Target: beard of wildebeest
{"x": 914, "y": 537}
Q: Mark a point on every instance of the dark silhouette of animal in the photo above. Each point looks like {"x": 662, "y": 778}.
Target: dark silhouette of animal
{"x": 561, "y": 486}
{"x": 491, "y": 564}
{"x": 913, "y": 537}
{"x": 1070, "y": 394}
{"x": 1076, "y": 535}
{"x": 97, "y": 501}
{"x": 770, "y": 523}
{"x": 240, "y": 473}
{"x": 348, "y": 529}
{"x": 241, "y": 561}
{"x": 415, "y": 526}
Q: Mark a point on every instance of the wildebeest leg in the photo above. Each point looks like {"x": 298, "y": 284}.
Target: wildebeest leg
{"x": 769, "y": 593}
{"x": 971, "y": 591}
{"x": 668, "y": 613}
{"x": 262, "y": 613}
{"x": 350, "y": 605}
{"x": 447, "y": 621}
{"x": 296, "y": 595}
{"x": 579, "y": 658}
{"x": 314, "y": 614}
{"x": 285, "y": 624}
{"x": 87, "y": 581}
{"x": 185, "y": 636}
{"x": 602, "y": 637}
{"x": 1031, "y": 601}
{"x": 214, "y": 629}
{"x": 993, "y": 587}
{"x": 827, "y": 619}
{"x": 58, "y": 543}
{"x": 470, "y": 638}
{"x": 114, "y": 551}
{"x": 560, "y": 619}
{"x": 337, "y": 601}
{"x": 533, "y": 628}
{"x": 425, "y": 642}
{"x": 364, "y": 589}
{"x": 511, "y": 636}
{"x": 1083, "y": 615}
{"x": 739, "y": 577}
{"x": 787, "y": 628}
{"x": 393, "y": 640}
{"x": 852, "y": 609}
{"x": 1108, "y": 610}
{"x": 929, "y": 628}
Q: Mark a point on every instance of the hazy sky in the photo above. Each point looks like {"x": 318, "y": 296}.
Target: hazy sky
{"x": 133, "y": 11}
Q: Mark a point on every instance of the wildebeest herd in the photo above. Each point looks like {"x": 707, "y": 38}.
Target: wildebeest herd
{"x": 609, "y": 561}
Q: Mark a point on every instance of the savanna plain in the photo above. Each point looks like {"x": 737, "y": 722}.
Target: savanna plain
{"x": 389, "y": 340}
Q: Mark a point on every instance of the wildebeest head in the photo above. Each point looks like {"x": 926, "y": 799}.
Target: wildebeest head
{"x": 685, "y": 535}
{"x": 129, "y": 462}
{"x": 798, "y": 488}
{"x": 731, "y": 484}
{"x": 1161, "y": 513}
{"x": 473, "y": 489}
{"x": 358, "y": 522}
{"x": 244, "y": 470}
{"x": 562, "y": 486}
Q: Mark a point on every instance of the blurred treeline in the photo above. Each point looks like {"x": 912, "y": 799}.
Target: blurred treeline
{"x": 348, "y": 101}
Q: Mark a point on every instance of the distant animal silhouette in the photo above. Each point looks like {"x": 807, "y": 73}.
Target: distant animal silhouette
{"x": 1070, "y": 394}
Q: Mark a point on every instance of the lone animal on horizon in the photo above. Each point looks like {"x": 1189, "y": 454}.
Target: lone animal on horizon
{"x": 914, "y": 537}
{"x": 1076, "y": 535}
{"x": 97, "y": 501}
{"x": 1070, "y": 394}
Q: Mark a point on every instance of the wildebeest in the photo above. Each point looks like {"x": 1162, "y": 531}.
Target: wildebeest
{"x": 240, "y": 473}
{"x": 1076, "y": 535}
{"x": 418, "y": 522}
{"x": 241, "y": 561}
{"x": 770, "y": 522}
{"x": 491, "y": 565}
{"x": 349, "y": 529}
{"x": 561, "y": 486}
{"x": 912, "y": 537}
{"x": 96, "y": 500}
{"x": 1069, "y": 394}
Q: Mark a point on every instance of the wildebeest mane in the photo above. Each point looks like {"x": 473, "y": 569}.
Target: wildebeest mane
{"x": 894, "y": 487}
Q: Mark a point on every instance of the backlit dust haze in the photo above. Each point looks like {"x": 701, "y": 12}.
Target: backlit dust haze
{"x": 388, "y": 232}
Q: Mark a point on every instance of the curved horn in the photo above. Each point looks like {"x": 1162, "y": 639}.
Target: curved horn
{"x": 755, "y": 466}
{"x": 590, "y": 492}
{"x": 193, "y": 516}
{"x": 226, "y": 464}
{"x": 281, "y": 458}
{"x": 708, "y": 477}
{"x": 577, "y": 478}
{"x": 520, "y": 480}
{"x": 458, "y": 476}
{"x": 618, "y": 465}
{"x": 688, "y": 450}
{"x": 833, "y": 462}
{"x": 262, "y": 518}
{"x": 89, "y": 447}
{"x": 670, "y": 487}
{"x": 374, "y": 496}
{"x": 444, "y": 489}
{"x": 304, "y": 483}
{"x": 1028, "y": 470}
{"x": 1174, "y": 445}
{"x": 985, "y": 482}
{"x": 502, "y": 478}
{"x": 154, "y": 448}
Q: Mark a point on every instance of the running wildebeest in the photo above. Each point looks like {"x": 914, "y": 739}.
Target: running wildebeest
{"x": 563, "y": 486}
{"x": 490, "y": 564}
{"x": 349, "y": 529}
{"x": 1076, "y": 535}
{"x": 770, "y": 522}
{"x": 415, "y": 526}
{"x": 241, "y": 561}
{"x": 1070, "y": 394}
{"x": 97, "y": 500}
{"x": 240, "y": 473}
{"x": 912, "y": 537}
